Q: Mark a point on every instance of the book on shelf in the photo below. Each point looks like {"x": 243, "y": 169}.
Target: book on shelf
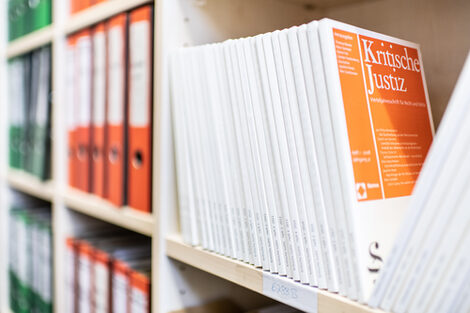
{"x": 30, "y": 113}
{"x": 82, "y": 109}
{"x": 429, "y": 266}
{"x": 297, "y": 150}
{"x": 110, "y": 112}
{"x": 117, "y": 107}
{"x": 109, "y": 271}
{"x": 382, "y": 129}
{"x": 98, "y": 156}
{"x": 140, "y": 98}
{"x": 30, "y": 265}
{"x": 38, "y": 14}
{"x": 27, "y": 16}
{"x": 41, "y": 120}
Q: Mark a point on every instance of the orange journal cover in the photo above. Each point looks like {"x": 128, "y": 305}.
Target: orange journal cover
{"x": 382, "y": 128}
{"x": 140, "y": 108}
{"x": 99, "y": 110}
{"x": 115, "y": 117}
{"x": 71, "y": 111}
{"x": 83, "y": 96}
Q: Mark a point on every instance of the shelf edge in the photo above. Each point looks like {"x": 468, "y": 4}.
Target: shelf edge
{"x": 30, "y": 185}
{"x": 251, "y": 278}
{"x": 101, "y": 209}
{"x": 30, "y": 41}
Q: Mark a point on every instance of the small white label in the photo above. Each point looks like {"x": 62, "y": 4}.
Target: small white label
{"x": 36, "y": 256}
{"x": 292, "y": 293}
{"x": 43, "y": 92}
{"x": 14, "y": 72}
{"x": 99, "y": 74}
{"x": 119, "y": 290}
{"x": 23, "y": 251}
{"x": 101, "y": 288}
{"x": 139, "y": 73}
{"x": 70, "y": 87}
{"x": 116, "y": 76}
{"x": 20, "y": 95}
{"x": 46, "y": 288}
{"x": 69, "y": 279}
{"x": 13, "y": 247}
{"x": 84, "y": 70}
{"x": 139, "y": 301}
{"x": 84, "y": 284}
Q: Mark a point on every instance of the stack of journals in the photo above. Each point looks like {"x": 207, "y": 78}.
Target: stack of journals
{"x": 297, "y": 150}
{"x": 30, "y": 263}
{"x": 109, "y": 93}
{"x": 429, "y": 266}
{"x": 25, "y": 16}
{"x": 29, "y": 108}
{"x": 80, "y": 5}
{"x": 108, "y": 272}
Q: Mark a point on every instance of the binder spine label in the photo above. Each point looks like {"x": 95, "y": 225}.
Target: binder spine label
{"x": 84, "y": 283}
{"x": 140, "y": 67}
{"x": 120, "y": 287}
{"x": 84, "y": 48}
{"x": 386, "y": 111}
{"x": 101, "y": 288}
{"x": 99, "y": 90}
{"x": 70, "y": 80}
{"x": 116, "y": 76}
{"x": 139, "y": 301}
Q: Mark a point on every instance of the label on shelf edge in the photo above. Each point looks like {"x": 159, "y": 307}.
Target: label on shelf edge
{"x": 295, "y": 294}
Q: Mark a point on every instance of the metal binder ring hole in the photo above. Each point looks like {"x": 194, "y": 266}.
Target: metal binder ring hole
{"x": 137, "y": 161}
{"x": 81, "y": 152}
{"x": 96, "y": 153}
{"x": 114, "y": 154}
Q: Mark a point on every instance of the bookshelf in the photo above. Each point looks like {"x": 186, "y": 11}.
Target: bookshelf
{"x": 191, "y": 22}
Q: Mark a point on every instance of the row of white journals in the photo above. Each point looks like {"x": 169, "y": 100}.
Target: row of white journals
{"x": 297, "y": 150}
{"x": 429, "y": 267}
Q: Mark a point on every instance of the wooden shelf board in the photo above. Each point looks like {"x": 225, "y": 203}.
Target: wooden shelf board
{"x": 30, "y": 41}
{"x": 101, "y": 209}
{"x": 100, "y": 12}
{"x": 250, "y": 277}
{"x": 30, "y": 184}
